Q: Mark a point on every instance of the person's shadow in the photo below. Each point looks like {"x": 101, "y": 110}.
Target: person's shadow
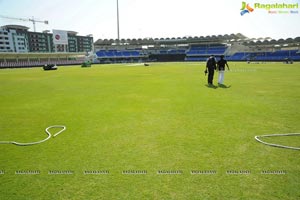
{"x": 223, "y": 86}
{"x": 211, "y": 86}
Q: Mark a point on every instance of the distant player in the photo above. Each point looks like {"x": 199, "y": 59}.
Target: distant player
{"x": 221, "y": 67}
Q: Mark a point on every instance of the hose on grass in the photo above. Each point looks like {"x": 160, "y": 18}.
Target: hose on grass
{"x": 38, "y": 142}
{"x": 277, "y": 145}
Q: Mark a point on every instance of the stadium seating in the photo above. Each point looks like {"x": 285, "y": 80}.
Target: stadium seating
{"x": 279, "y": 55}
{"x": 117, "y": 54}
{"x": 200, "y": 53}
{"x": 205, "y": 51}
{"x": 195, "y": 58}
{"x": 240, "y": 56}
{"x": 172, "y": 51}
{"x": 235, "y": 47}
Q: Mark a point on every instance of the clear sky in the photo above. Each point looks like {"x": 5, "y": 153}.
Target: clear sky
{"x": 154, "y": 18}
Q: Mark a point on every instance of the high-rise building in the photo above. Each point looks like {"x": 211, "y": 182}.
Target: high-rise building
{"x": 16, "y": 38}
{"x": 13, "y": 38}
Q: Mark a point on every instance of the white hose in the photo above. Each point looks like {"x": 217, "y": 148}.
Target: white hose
{"x": 38, "y": 142}
{"x": 277, "y": 145}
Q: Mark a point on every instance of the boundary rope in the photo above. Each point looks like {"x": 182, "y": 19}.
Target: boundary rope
{"x": 277, "y": 145}
{"x": 38, "y": 142}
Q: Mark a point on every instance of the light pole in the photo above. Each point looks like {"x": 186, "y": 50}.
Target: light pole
{"x": 118, "y": 23}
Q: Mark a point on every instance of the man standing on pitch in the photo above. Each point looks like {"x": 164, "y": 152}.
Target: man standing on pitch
{"x": 221, "y": 67}
{"x": 211, "y": 67}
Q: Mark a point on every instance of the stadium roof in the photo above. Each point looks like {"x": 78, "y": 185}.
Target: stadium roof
{"x": 186, "y": 39}
{"x": 19, "y": 27}
{"x": 268, "y": 42}
{"x": 271, "y": 42}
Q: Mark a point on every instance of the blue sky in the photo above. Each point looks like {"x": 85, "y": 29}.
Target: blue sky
{"x": 153, "y": 18}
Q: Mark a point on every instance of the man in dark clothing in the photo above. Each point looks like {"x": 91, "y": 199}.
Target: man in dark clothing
{"x": 221, "y": 67}
{"x": 211, "y": 67}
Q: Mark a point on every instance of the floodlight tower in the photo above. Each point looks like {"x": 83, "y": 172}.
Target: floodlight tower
{"x": 118, "y": 23}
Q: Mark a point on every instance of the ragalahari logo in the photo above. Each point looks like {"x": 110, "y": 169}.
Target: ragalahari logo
{"x": 246, "y": 8}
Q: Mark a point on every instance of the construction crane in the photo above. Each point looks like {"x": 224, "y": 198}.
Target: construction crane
{"x": 26, "y": 19}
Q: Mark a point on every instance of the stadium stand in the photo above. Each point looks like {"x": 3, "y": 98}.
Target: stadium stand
{"x": 240, "y": 56}
{"x": 279, "y": 55}
{"x": 117, "y": 54}
{"x": 200, "y": 53}
{"x": 108, "y": 56}
{"x": 20, "y": 64}
{"x": 20, "y": 60}
{"x": 235, "y": 47}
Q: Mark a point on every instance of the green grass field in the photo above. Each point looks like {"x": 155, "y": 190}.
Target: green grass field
{"x": 158, "y": 118}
